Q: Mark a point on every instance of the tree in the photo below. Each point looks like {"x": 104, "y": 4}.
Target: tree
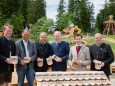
{"x": 7, "y": 9}
{"x": 85, "y": 15}
{"x": 91, "y": 16}
{"x": 103, "y": 15}
{"x": 17, "y": 21}
{"x": 63, "y": 23}
{"x": 61, "y": 8}
{"x": 99, "y": 23}
{"x": 42, "y": 24}
{"x": 24, "y": 5}
{"x": 36, "y": 10}
{"x": 71, "y": 6}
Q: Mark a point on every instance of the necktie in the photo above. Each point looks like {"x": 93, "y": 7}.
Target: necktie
{"x": 23, "y": 46}
{"x": 78, "y": 49}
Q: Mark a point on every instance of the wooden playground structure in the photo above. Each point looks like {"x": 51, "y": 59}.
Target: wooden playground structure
{"x": 70, "y": 31}
{"x": 109, "y": 25}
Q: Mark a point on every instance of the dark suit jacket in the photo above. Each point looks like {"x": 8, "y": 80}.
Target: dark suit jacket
{"x": 43, "y": 51}
{"x": 102, "y": 53}
{"x": 5, "y": 47}
{"x": 62, "y": 51}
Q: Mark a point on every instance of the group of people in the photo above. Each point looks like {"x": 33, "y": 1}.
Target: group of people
{"x": 59, "y": 51}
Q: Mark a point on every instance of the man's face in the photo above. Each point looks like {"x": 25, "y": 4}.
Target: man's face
{"x": 98, "y": 38}
{"x": 78, "y": 40}
{"x": 43, "y": 38}
{"x": 57, "y": 37}
{"x": 8, "y": 32}
{"x": 25, "y": 35}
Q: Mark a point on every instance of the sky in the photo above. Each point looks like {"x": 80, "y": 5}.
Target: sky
{"x": 52, "y": 5}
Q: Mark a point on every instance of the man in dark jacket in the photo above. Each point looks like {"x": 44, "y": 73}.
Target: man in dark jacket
{"x": 101, "y": 53}
{"x": 7, "y": 49}
{"x": 43, "y": 52}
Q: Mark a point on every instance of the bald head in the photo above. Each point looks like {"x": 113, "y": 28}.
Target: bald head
{"x": 43, "y": 33}
{"x": 57, "y": 32}
{"x": 43, "y": 37}
{"x": 98, "y": 34}
{"x": 98, "y": 38}
{"x": 57, "y": 36}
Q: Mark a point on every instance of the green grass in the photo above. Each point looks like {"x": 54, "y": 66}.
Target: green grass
{"x": 111, "y": 36}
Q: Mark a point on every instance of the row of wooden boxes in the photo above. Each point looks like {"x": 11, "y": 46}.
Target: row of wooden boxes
{"x": 79, "y": 78}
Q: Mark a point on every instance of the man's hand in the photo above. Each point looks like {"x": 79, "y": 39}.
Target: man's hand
{"x": 8, "y": 60}
{"x": 27, "y": 59}
{"x": 96, "y": 61}
{"x": 72, "y": 68}
{"x": 58, "y": 60}
{"x": 23, "y": 62}
{"x": 79, "y": 62}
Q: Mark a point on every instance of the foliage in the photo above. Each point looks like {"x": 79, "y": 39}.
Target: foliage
{"x": 36, "y": 10}
{"x": 61, "y": 9}
{"x": 99, "y": 22}
{"x": 21, "y": 12}
{"x": 97, "y": 30}
{"x": 60, "y": 16}
{"x": 42, "y": 25}
{"x": 16, "y": 20}
{"x": 71, "y": 6}
{"x": 10, "y": 13}
{"x": 24, "y": 6}
{"x": 8, "y": 8}
{"x": 84, "y": 15}
{"x": 63, "y": 23}
{"x": 103, "y": 15}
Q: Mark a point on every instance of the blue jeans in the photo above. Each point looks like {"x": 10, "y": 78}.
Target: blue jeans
{"x": 29, "y": 73}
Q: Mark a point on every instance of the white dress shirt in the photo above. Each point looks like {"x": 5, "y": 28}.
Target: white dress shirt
{"x": 25, "y": 44}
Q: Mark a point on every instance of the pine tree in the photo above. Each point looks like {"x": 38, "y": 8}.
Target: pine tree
{"x": 8, "y": 7}
{"x": 10, "y": 12}
{"x": 36, "y": 10}
{"x": 24, "y": 5}
{"x": 71, "y": 6}
{"x": 103, "y": 15}
{"x": 61, "y": 8}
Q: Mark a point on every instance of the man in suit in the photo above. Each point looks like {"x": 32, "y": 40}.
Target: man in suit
{"x": 101, "y": 52}
{"x": 43, "y": 52}
{"x": 79, "y": 55}
{"x": 7, "y": 49}
{"x": 60, "y": 49}
{"x": 25, "y": 48}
